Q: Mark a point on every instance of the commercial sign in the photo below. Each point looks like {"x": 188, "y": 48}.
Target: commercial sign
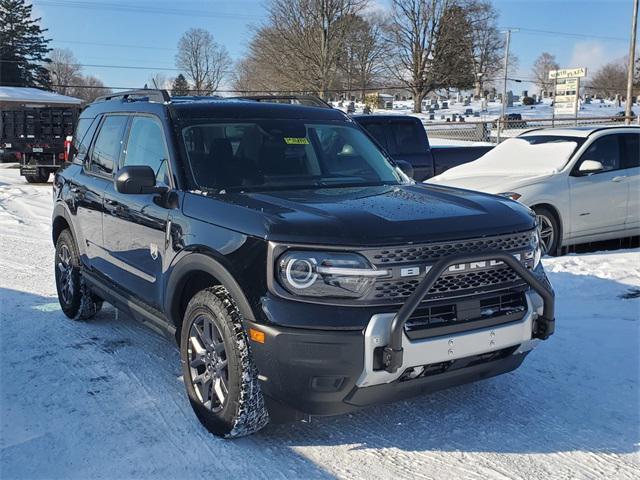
{"x": 567, "y": 90}
{"x": 568, "y": 73}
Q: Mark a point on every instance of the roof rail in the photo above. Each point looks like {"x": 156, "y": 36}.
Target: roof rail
{"x": 307, "y": 100}
{"x": 155, "y": 95}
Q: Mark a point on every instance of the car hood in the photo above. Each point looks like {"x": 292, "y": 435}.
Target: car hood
{"x": 494, "y": 183}
{"x": 381, "y": 215}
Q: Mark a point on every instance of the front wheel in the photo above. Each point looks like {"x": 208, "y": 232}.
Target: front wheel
{"x": 76, "y": 300}
{"x": 218, "y": 370}
{"x": 549, "y": 229}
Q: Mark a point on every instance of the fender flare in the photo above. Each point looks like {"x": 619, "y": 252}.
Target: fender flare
{"x": 60, "y": 210}
{"x": 198, "y": 261}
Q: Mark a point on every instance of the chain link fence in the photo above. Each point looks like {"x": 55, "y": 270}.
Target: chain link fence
{"x": 459, "y": 131}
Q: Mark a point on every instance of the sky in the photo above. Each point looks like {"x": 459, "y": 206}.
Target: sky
{"x": 143, "y": 33}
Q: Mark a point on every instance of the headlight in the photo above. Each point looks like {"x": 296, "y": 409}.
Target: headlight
{"x": 511, "y": 195}
{"x": 537, "y": 248}
{"x": 326, "y": 274}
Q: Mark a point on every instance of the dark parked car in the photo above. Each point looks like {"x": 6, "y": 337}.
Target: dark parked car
{"x": 299, "y": 270}
{"x": 405, "y": 139}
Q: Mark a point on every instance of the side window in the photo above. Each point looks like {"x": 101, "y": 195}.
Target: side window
{"x": 81, "y": 140}
{"x": 108, "y": 145}
{"x": 605, "y": 150}
{"x": 376, "y": 130}
{"x": 409, "y": 137}
{"x": 631, "y": 156}
{"x": 147, "y": 146}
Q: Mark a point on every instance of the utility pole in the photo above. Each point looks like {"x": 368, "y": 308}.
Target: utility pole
{"x": 632, "y": 56}
{"x": 504, "y": 87}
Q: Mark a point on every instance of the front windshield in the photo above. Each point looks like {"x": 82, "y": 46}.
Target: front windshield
{"x": 276, "y": 154}
{"x": 530, "y": 154}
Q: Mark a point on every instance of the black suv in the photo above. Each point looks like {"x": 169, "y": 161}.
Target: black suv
{"x": 300, "y": 271}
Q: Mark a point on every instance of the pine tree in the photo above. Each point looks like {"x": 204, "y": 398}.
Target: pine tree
{"x": 180, "y": 86}
{"x": 23, "y": 48}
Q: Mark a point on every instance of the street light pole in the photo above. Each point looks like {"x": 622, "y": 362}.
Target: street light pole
{"x": 632, "y": 55}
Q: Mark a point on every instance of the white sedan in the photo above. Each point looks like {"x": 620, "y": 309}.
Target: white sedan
{"x": 583, "y": 182}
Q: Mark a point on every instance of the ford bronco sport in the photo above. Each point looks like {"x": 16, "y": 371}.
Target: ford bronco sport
{"x": 300, "y": 271}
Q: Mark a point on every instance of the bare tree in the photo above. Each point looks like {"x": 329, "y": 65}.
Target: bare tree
{"x": 203, "y": 60}
{"x": 300, "y": 44}
{"x": 413, "y": 33}
{"x": 64, "y": 70}
{"x": 487, "y": 43}
{"x": 88, "y": 88}
{"x": 610, "y": 79}
{"x": 541, "y": 68}
{"x": 364, "y": 53}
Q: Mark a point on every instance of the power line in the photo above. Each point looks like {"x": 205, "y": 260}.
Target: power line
{"x": 120, "y": 7}
{"x": 117, "y": 45}
{"x": 532, "y": 31}
{"x": 97, "y": 65}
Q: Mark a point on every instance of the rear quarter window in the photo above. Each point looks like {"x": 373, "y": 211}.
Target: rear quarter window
{"x": 81, "y": 137}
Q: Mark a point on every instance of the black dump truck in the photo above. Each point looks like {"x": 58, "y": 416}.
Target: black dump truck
{"x": 34, "y": 126}
{"x": 300, "y": 271}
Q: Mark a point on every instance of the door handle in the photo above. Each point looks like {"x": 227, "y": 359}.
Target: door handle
{"x": 618, "y": 179}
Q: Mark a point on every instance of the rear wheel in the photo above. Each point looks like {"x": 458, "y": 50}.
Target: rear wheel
{"x": 549, "y": 229}
{"x": 218, "y": 370}
{"x": 76, "y": 300}
{"x": 41, "y": 175}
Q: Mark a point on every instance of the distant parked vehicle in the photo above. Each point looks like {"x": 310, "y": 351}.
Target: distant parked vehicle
{"x": 405, "y": 140}
{"x": 34, "y": 125}
{"x": 622, "y": 115}
{"x": 582, "y": 183}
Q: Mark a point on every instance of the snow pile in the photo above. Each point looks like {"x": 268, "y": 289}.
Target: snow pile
{"x": 104, "y": 398}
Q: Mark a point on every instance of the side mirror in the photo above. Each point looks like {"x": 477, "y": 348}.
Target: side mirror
{"x": 590, "y": 166}
{"x": 137, "y": 179}
{"x": 406, "y": 167}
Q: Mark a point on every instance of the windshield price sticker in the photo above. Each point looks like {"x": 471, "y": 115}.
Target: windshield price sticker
{"x": 296, "y": 141}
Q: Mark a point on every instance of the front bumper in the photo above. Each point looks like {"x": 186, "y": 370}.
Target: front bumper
{"x": 319, "y": 372}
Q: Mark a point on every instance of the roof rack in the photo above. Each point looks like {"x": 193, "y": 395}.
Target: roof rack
{"x": 147, "y": 94}
{"x": 307, "y": 100}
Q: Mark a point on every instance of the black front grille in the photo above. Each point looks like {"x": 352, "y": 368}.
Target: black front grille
{"x": 435, "y": 251}
{"x": 432, "y": 320}
{"x": 450, "y": 284}
{"x": 460, "y": 280}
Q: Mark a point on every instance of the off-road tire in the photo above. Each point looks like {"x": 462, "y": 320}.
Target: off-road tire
{"x": 243, "y": 412}
{"x": 77, "y": 302}
{"x": 550, "y": 219}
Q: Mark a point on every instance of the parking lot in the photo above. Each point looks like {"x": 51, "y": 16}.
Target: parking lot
{"x": 72, "y": 404}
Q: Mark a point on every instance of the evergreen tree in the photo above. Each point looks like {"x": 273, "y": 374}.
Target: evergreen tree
{"x": 180, "y": 86}
{"x": 23, "y": 48}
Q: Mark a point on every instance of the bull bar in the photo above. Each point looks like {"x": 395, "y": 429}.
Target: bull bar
{"x": 392, "y": 354}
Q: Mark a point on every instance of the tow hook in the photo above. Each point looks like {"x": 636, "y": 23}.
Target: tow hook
{"x": 391, "y": 359}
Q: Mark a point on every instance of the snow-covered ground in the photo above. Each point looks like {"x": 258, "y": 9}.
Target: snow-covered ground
{"x": 104, "y": 398}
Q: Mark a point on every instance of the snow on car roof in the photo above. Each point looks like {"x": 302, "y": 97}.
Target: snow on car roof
{"x": 35, "y": 95}
{"x": 582, "y": 132}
